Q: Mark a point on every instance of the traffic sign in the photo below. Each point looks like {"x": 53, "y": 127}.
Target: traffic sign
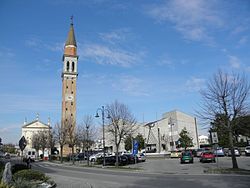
{"x": 22, "y": 143}
{"x": 214, "y": 138}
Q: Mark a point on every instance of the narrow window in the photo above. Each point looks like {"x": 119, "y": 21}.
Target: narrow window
{"x": 71, "y": 92}
{"x": 73, "y": 66}
{"x": 71, "y": 103}
{"x": 67, "y": 65}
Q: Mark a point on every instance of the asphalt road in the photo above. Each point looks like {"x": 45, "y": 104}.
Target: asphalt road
{"x": 82, "y": 177}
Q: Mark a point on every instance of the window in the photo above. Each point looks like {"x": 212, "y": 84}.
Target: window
{"x": 72, "y": 82}
{"x": 73, "y": 66}
{"x": 66, "y": 109}
{"x": 67, "y": 87}
{"x": 71, "y": 103}
{"x": 67, "y": 65}
{"x": 71, "y": 92}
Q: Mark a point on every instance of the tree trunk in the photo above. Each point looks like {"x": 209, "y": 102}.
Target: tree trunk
{"x": 61, "y": 152}
{"x": 73, "y": 158}
{"x": 116, "y": 156}
{"x": 230, "y": 134}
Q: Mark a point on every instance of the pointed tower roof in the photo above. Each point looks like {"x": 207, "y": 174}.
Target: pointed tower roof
{"x": 71, "y": 40}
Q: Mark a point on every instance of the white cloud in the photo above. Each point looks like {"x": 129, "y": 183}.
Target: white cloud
{"x": 116, "y": 36}
{"x": 102, "y": 54}
{"x": 234, "y": 62}
{"x": 195, "y": 84}
{"x": 131, "y": 86}
{"x": 38, "y": 44}
{"x": 243, "y": 40}
{"x": 191, "y": 18}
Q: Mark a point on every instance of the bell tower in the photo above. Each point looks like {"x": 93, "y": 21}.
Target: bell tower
{"x": 69, "y": 77}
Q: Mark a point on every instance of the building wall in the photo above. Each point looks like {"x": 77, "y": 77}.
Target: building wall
{"x": 159, "y": 136}
{"x": 32, "y": 128}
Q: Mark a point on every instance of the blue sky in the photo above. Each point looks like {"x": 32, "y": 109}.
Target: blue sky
{"x": 154, "y": 56}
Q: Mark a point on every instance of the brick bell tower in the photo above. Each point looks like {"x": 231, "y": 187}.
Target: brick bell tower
{"x": 69, "y": 77}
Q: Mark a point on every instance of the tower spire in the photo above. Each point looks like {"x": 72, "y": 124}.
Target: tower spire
{"x": 71, "y": 40}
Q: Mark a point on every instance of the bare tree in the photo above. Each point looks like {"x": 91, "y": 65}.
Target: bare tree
{"x": 225, "y": 96}
{"x": 44, "y": 139}
{"x": 36, "y": 142}
{"x": 88, "y": 132}
{"x": 60, "y": 135}
{"x": 72, "y": 136}
{"x": 122, "y": 123}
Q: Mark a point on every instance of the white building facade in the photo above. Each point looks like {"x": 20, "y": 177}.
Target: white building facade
{"x": 32, "y": 128}
{"x": 162, "y": 135}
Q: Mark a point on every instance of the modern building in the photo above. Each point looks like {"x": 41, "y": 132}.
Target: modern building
{"x": 162, "y": 135}
{"x": 69, "y": 77}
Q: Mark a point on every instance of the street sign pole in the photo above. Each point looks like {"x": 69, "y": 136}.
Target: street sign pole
{"x": 215, "y": 144}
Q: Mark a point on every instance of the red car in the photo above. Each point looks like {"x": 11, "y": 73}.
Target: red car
{"x": 207, "y": 156}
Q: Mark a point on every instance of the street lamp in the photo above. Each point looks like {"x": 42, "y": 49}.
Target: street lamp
{"x": 171, "y": 124}
{"x": 87, "y": 128}
{"x": 103, "y": 110}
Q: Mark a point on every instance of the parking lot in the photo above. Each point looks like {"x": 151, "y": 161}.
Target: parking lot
{"x": 173, "y": 166}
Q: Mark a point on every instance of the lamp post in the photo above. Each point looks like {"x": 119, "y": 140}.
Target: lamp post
{"x": 171, "y": 124}
{"x": 103, "y": 130}
{"x": 87, "y": 129}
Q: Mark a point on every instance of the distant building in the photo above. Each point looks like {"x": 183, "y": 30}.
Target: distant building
{"x": 162, "y": 135}
{"x": 203, "y": 140}
{"x": 32, "y": 128}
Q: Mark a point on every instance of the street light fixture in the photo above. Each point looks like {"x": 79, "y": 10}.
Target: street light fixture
{"x": 103, "y": 110}
{"x": 87, "y": 127}
{"x": 171, "y": 124}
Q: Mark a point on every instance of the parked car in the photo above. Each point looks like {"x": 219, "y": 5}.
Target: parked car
{"x": 219, "y": 152}
{"x": 247, "y": 151}
{"x": 93, "y": 158}
{"x": 141, "y": 157}
{"x": 236, "y": 152}
{"x": 175, "y": 154}
{"x": 131, "y": 158}
{"x": 186, "y": 157}
{"x": 7, "y": 156}
{"x": 80, "y": 157}
{"x": 199, "y": 151}
{"x": 111, "y": 160}
{"x": 207, "y": 156}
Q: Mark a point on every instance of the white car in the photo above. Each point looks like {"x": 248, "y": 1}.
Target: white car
{"x": 94, "y": 157}
{"x": 141, "y": 157}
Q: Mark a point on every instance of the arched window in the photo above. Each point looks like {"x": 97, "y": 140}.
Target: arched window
{"x": 67, "y": 65}
{"x": 73, "y": 66}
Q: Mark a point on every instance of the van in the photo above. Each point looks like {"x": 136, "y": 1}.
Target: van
{"x": 31, "y": 153}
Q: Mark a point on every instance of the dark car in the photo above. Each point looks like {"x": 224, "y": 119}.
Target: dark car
{"x": 207, "y": 156}
{"x": 131, "y": 158}
{"x": 111, "y": 160}
{"x": 81, "y": 157}
{"x": 186, "y": 157}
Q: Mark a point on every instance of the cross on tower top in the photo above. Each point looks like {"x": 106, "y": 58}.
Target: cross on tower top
{"x": 71, "y": 18}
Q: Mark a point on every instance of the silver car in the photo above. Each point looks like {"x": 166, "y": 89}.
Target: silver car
{"x": 236, "y": 152}
{"x": 247, "y": 151}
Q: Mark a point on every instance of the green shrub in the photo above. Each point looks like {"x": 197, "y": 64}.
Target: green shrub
{"x": 17, "y": 167}
{"x": 3, "y": 185}
{"x": 30, "y": 175}
{"x": 21, "y": 183}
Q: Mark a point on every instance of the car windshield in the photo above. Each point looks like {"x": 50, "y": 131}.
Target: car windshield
{"x": 248, "y": 147}
{"x": 208, "y": 153}
{"x": 187, "y": 153}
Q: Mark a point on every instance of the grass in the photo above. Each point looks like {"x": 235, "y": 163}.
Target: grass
{"x": 227, "y": 171}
